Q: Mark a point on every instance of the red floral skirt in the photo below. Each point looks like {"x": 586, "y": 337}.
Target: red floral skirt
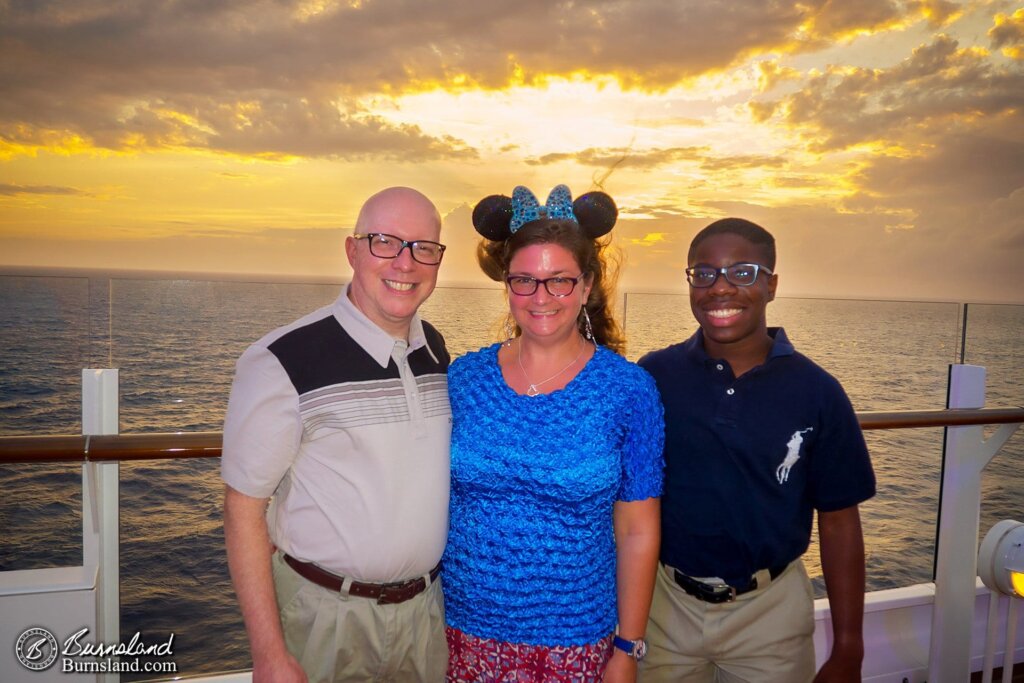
{"x": 482, "y": 660}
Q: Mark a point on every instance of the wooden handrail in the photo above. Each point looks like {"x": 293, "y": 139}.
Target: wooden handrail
{"x": 125, "y": 447}
{"x": 167, "y": 446}
{"x": 957, "y": 417}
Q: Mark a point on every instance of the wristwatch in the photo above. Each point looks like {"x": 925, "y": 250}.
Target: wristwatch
{"x": 637, "y": 649}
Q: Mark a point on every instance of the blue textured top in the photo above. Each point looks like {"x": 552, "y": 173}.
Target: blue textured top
{"x": 531, "y": 549}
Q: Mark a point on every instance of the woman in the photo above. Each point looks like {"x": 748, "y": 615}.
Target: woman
{"x": 556, "y": 462}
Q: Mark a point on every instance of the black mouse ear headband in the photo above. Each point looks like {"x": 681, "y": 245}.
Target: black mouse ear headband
{"x": 497, "y": 217}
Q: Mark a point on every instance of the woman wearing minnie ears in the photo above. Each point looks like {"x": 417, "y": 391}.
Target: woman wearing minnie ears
{"x": 556, "y": 462}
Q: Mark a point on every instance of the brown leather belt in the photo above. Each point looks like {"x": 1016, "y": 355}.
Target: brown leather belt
{"x": 383, "y": 593}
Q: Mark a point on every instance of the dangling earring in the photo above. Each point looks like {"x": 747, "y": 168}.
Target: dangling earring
{"x": 510, "y": 330}
{"x": 588, "y": 331}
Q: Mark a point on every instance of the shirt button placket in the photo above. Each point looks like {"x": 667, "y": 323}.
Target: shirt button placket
{"x": 409, "y": 387}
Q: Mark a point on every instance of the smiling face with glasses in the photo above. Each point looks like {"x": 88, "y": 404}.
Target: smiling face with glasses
{"x": 394, "y": 253}
{"x": 729, "y": 295}
{"x": 546, "y": 290}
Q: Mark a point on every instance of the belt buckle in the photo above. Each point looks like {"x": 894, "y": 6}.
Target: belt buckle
{"x": 722, "y": 592}
{"x": 394, "y": 593}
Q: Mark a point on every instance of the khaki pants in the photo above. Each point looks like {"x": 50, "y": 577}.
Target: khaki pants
{"x": 766, "y": 635}
{"x": 337, "y": 637}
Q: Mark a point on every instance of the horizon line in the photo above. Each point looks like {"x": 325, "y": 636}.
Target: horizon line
{"x": 284, "y": 278}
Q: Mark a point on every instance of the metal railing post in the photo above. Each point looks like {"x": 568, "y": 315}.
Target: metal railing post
{"x": 965, "y": 455}
{"x": 101, "y": 506}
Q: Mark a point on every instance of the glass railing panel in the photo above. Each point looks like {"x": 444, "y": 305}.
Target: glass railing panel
{"x": 653, "y": 321}
{"x": 995, "y": 340}
{"x": 469, "y": 318}
{"x": 176, "y": 343}
{"x": 888, "y": 356}
{"x": 47, "y": 338}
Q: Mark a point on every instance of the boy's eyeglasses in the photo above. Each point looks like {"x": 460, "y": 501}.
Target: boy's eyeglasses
{"x": 738, "y": 274}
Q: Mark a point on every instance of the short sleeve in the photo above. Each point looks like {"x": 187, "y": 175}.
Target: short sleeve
{"x": 643, "y": 447}
{"x": 262, "y": 428}
{"x": 841, "y": 472}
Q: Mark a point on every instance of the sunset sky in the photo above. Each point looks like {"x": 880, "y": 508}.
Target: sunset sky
{"x": 881, "y": 141}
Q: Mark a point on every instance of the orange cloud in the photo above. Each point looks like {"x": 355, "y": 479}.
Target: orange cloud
{"x": 650, "y": 239}
{"x": 280, "y": 80}
{"x": 1008, "y": 34}
{"x": 939, "y": 85}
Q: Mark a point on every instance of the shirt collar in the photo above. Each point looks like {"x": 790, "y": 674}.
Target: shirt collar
{"x": 375, "y": 341}
{"x": 781, "y": 345}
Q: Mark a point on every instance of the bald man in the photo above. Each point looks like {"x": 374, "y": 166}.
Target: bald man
{"x": 336, "y": 469}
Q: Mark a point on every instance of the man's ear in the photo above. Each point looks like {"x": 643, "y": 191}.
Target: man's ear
{"x": 350, "y": 250}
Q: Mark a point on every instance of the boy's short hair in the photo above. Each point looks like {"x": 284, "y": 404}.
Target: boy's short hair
{"x": 748, "y": 230}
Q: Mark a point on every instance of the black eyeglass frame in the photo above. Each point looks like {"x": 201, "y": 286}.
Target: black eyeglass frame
{"x": 538, "y": 282}
{"x": 758, "y": 269}
{"x": 369, "y": 237}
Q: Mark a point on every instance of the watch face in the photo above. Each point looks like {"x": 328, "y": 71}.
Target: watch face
{"x": 640, "y": 651}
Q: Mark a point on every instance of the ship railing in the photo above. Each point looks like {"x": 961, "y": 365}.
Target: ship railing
{"x": 895, "y": 647}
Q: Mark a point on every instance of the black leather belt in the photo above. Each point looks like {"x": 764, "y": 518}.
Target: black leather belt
{"x": 383, "y": 593}
{"x": 720, "y": 592}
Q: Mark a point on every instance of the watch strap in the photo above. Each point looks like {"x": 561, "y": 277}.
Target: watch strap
{"x": 634, "y": 648}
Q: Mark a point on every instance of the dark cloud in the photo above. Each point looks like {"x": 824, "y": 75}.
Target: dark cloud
{"x": 938, "y": 13}
{"x": 8, "y": 189}
{"x": 743, "y": 161}
{"x": 771, "y": 74}
{"x": 622, "y": 157}
{"x": 939, "y": 85}
{"x": 972, "y": 167}
{"x": 837, "y": 17}
{"x": 650, "y": 158}
{"x": 658, "y": 210}
{"x": 795, "y": 181}
{"x": 1008, "y": 30}
{"x": 271, "y": 77}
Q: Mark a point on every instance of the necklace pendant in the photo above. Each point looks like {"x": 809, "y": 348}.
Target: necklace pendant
{"x": 532, "y": 390}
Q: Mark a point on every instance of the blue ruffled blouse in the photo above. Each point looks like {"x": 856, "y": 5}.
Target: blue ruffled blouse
{"x": 531, "y": 549}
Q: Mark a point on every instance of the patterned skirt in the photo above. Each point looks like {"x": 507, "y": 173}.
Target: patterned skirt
{"x": 482, "y": 660}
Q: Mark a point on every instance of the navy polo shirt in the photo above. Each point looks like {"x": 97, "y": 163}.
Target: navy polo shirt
{"x": 749, "y": 459}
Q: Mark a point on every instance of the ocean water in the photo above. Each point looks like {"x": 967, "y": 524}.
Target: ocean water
{"x": 175, "y": 343}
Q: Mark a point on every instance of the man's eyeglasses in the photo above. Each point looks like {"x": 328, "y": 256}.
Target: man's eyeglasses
{"x": 383, "y": 245}
{"x": 524, "y": 285}
{"x": 738, "y": 274}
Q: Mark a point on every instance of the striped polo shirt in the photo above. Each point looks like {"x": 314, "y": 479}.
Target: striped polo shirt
{"x": 348, "y": 430}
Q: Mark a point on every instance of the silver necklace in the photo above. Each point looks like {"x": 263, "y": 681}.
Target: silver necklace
{"x": 532, "y": 389}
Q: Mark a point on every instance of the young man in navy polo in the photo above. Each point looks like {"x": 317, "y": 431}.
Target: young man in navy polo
{"x": 757, "y": 437}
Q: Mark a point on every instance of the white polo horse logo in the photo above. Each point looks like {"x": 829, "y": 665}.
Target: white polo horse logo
{"x": 792, "y": 455}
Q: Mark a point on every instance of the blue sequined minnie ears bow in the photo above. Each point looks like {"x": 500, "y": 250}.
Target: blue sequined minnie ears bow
{"x": 497, "y": 217}
{"x": 526, "y": 208}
